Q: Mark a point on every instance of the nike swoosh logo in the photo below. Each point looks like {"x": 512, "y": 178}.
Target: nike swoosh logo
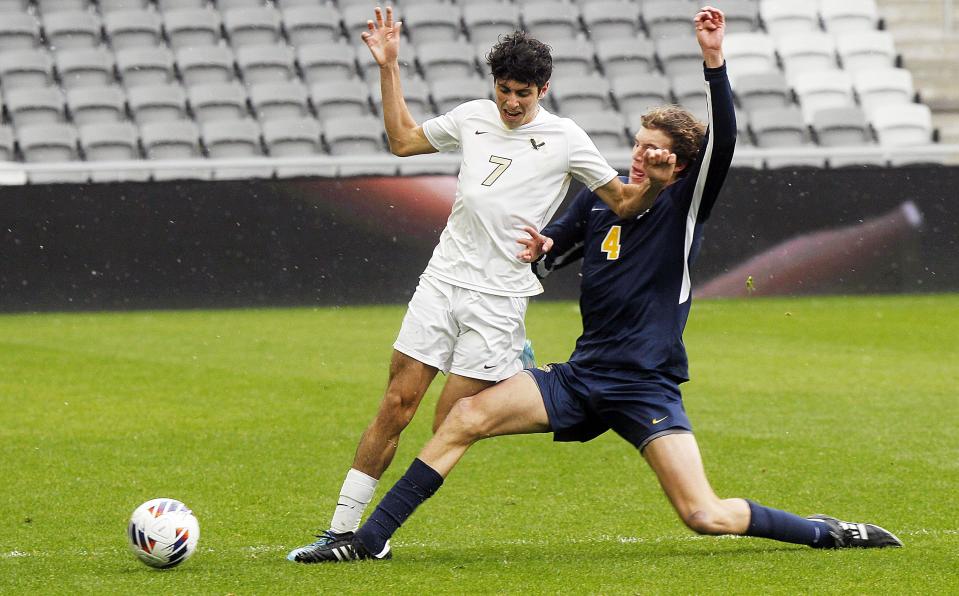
{"x": 481, "y": 132}
{"x": 345, "y": 505}
{"x": 597, "y": 209}
{"x": 657, "y": 421}
{"x": 489, "y": 366}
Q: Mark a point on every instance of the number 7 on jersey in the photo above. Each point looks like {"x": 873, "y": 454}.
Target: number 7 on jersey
{"x": 501, "y": 164}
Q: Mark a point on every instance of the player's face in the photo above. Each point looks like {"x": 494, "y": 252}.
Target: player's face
{"x": 647, "y": 138}
{"x": 518, "y": 103}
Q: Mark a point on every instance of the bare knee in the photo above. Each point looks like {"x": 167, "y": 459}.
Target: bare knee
{"x": 397, "y": 409}
{"x": 465, "y": 422}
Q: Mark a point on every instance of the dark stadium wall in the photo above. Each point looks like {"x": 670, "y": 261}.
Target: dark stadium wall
{"x": 365, "y": 240}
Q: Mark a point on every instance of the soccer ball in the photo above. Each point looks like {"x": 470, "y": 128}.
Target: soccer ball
{"x": 163, "y": 533}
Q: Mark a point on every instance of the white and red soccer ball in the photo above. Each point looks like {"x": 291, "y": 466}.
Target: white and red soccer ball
{"x": 163, "y": 533}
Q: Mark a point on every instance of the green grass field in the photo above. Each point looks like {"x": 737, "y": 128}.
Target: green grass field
{"x": 845, "y": 406}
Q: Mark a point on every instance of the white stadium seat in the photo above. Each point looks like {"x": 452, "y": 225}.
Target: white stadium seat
{"x": 217, "y": 101}
{"x": 45, "y": 143}
{"x": 133, "y": 29}
{"x": 90, "y": 105}
{"x": 145, "y": 66}
{"x": 157, "y": 103}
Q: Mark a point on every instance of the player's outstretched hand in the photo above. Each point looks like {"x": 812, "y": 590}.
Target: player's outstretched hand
{"x": 535, "y": 246}
{"x": 659, "y": 165}
{"x": 383, "y": 36}
{"x": 710, "y": 28}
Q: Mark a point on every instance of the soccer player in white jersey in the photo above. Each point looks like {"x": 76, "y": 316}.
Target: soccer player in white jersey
{"x": 466, "y": 316}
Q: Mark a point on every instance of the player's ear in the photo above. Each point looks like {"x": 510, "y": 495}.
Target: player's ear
{"x": 542, "y": 90}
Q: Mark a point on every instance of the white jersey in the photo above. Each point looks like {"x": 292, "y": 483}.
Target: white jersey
{"x": 508, "y": 179}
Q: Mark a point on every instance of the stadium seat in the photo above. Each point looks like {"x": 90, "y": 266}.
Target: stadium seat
{"x": 749, "y": 53}
{"x": 804, "y": 52}
{"x": 145, "y": 66}
{"x": 866, "y": 50}
{"x": 110, "y": 6}
{"x": 902, "y": 125}
{"x": 45, "y": 7}
{"x": 311, "y": 24}
{"x": 21, "y": 69}
{"x": 449, "y": 93}
{"x": 226, "y": 139}
{"x": 133, "y": 29}
{"x": 299, "y": 137}
{"x": 84, "y": 67}
{"x": 11, "y": 6}
{"x": 669, "y": 18}
{"x": 588, "y": 93}
{"x": 263, "y": 64}
{"x": 345, "y": 3}
{"x": 624, "y": 57}
{"x": 327, "y": 62}
{"x": 49, "y": 143}
{"x": 417, "y": 96}
{"x": 849, "y": 15}
{"x": 551, "y": 20}
{"x": 779, "y": 127}
{"x": 742, "y": 16}
{"x": 355, "y": 17}
{"x": 606, "y": 128}
{"x": 744, "y": 138}
{"x": 217, "y": 101}
{"x": 679, "y": 55}
{"x": 168, "y": 5}
{"x": 173, "y": 140}
{"x": 90, "y": 105}
{"x": 200, "y": 65}
{"x": 486, "y": 21}
{"x": 192, "y": 27}
{"x": 841, "y": 127}
{"x": 781, "y": 17}
{"x": 157, "y": 103}
{"x": 430, "y": 22}
{"x": 279, "y": 100}
{"x": 823, "y": 89}
{"x": 572, "y": 57}
{"x": 252, "y": 26}
{"x": 7, "y": 149}
{"x": 883, "y": 87}
{"x": 357, "y": 136}
{"x": 18, "y": 31}
{"x": 762, "y": 90}
{"x": 340, "y": 99}
{"x": 446, "y": 60}
{"x": 612, "y": 20}
{"x": 690, "y": 92}
{"x": 224, "y": 5}
{"x": 71, "y": 29}
{"x": 112, "y": 141}
{"x": 34, "y": 105}
{"x": 637, "y": 93}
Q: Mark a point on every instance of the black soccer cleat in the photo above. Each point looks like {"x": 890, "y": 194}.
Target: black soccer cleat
{"x": 338, "y": 551}
{"x": 327, "y": 537}
{"x": 855, "y": 535}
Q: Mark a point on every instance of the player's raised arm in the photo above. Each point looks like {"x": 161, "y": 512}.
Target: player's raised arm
{"x": 403, "y": 133}
{"x": 630, "y": 200}
{"x": 710, "y": 30}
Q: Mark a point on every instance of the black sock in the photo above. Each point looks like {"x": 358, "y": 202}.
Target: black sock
{"x": 418, "y": 484}
{"x": 765, "y": 522}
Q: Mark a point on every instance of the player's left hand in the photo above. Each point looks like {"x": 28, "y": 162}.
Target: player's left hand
{"x": 659, "y": 165}
{"x": 710, "y": 28}
{"x": 536, "y": 245}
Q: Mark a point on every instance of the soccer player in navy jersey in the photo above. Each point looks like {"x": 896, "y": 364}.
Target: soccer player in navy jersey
{"x": 625, "y": 371}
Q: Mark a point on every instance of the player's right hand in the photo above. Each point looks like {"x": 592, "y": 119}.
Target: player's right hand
{"x": 659, "y": 165}
{"x": 383, "y": 36}
{"x": 536, "y": 245}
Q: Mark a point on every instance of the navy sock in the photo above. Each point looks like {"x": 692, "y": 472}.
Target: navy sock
{"x": 765, "y": 522}
{"x": 418, "y": 484}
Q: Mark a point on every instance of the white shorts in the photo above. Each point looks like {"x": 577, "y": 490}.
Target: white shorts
{"x": 468, "y": 333}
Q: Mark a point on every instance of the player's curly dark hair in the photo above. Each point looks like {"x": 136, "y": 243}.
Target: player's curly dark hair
{"x": 519, "y": 57}
{"x": 681, "y": 126}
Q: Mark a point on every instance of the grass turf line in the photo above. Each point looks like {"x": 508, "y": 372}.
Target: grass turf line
{"x": 839, "y": 405}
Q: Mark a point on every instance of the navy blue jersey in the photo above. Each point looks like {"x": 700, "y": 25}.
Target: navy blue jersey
{"x": 635, "y": 293}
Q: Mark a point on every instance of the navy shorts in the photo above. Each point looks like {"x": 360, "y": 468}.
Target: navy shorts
{"x": 583, "y": 402}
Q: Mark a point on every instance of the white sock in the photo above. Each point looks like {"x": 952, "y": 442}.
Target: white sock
{"x": 356, "y": 494}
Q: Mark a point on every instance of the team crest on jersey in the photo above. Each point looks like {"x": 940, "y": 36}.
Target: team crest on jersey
{"x": 546, "y": 368}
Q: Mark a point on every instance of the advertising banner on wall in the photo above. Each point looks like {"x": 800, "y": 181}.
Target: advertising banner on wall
{"x": 317, "y": 241}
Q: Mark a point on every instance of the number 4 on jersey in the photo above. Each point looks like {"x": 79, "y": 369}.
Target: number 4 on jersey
{"x": 610, "y": 244}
